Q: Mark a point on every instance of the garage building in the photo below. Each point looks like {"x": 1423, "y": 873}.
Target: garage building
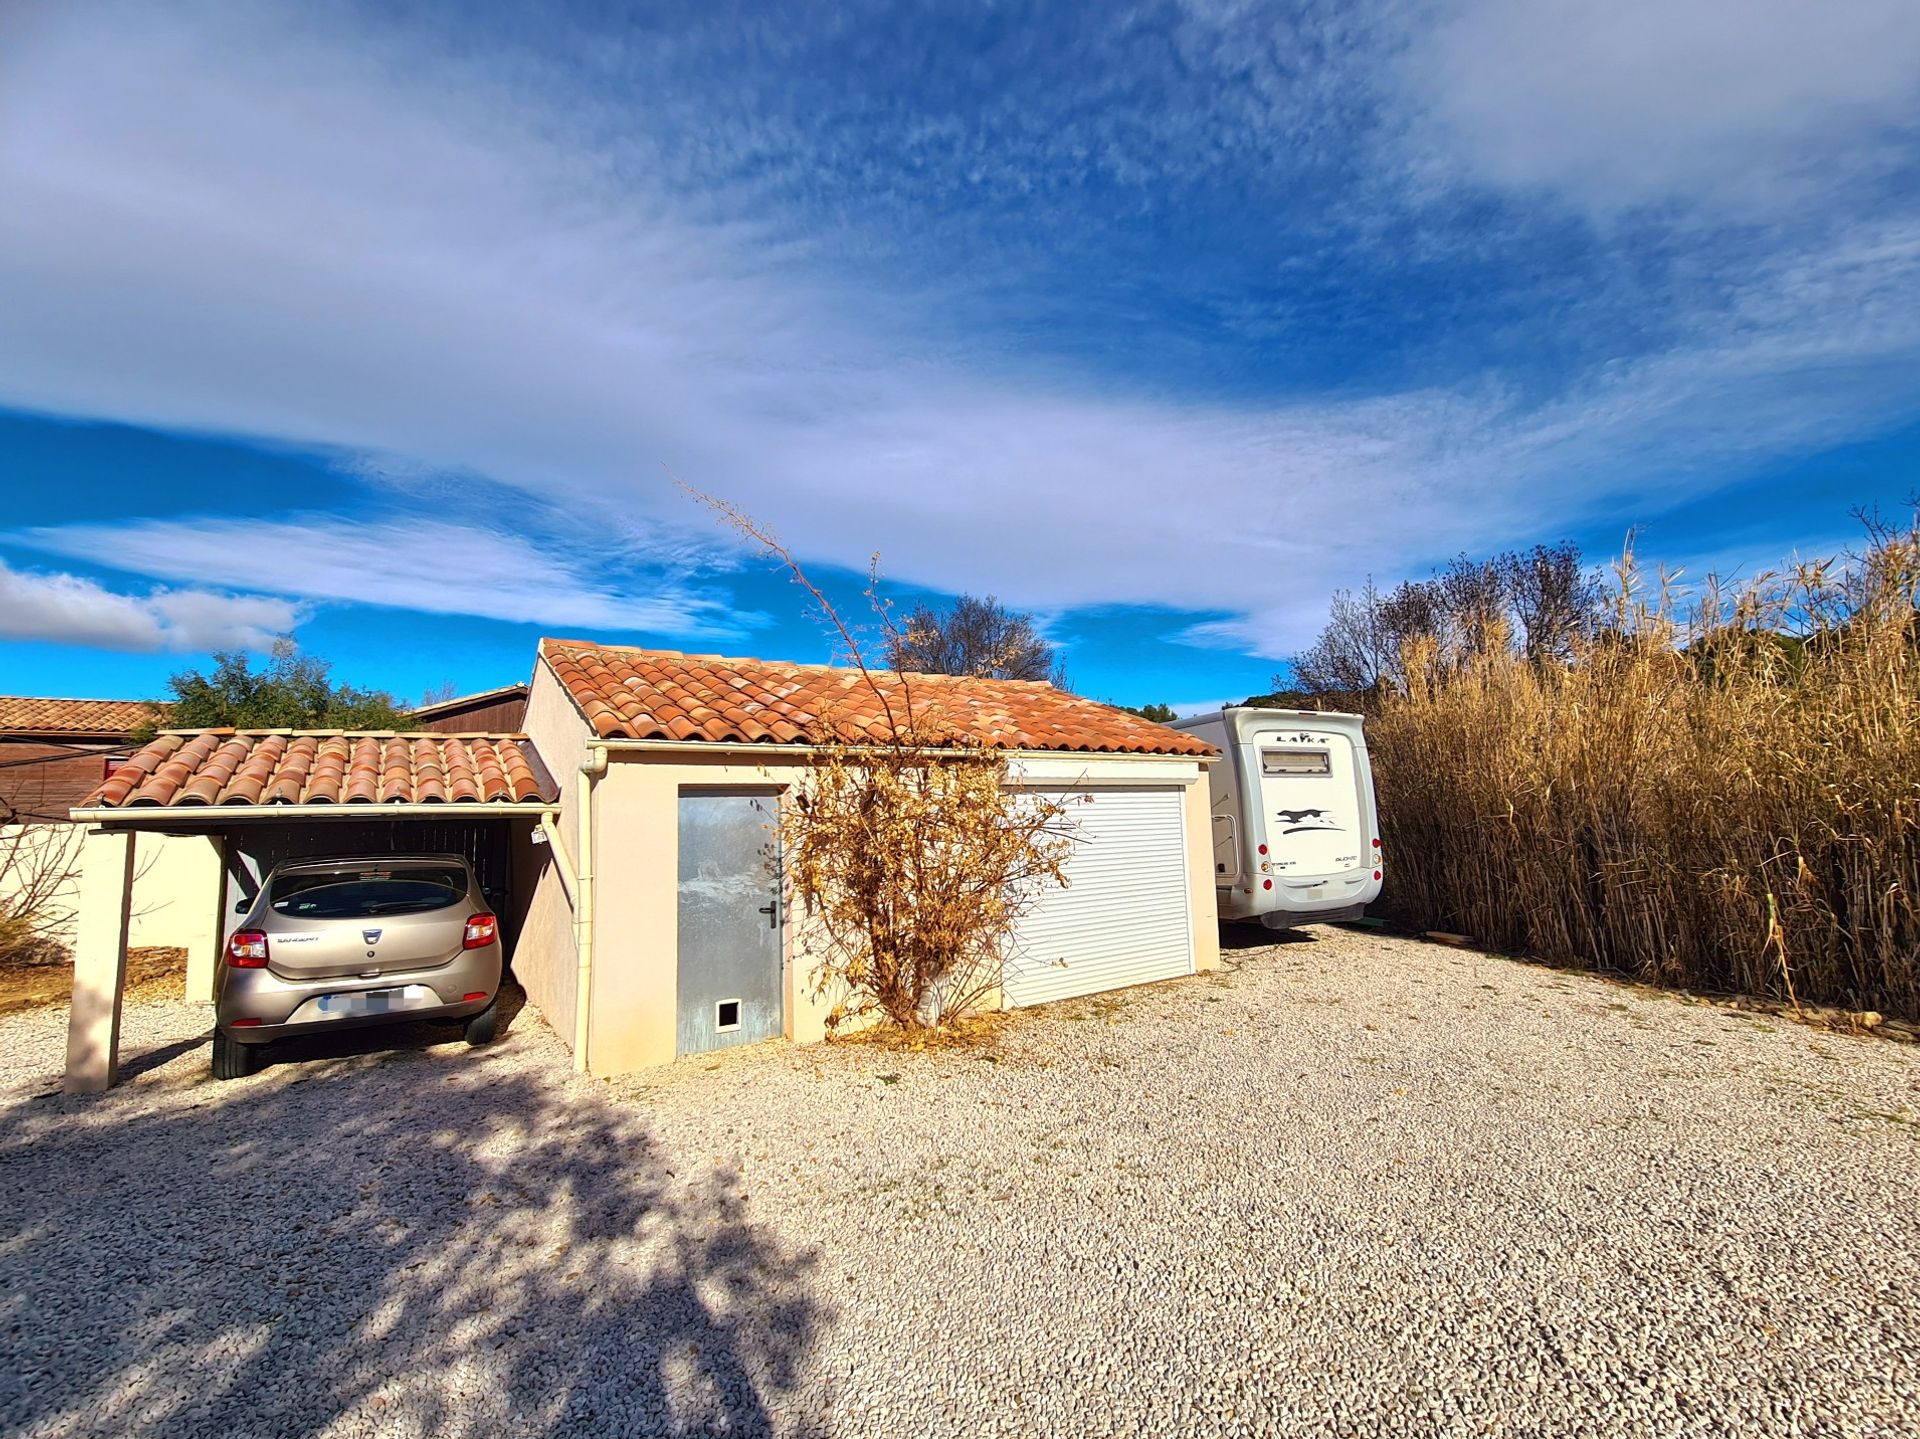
{"x": 671, "y": 768}
{"x": 630, "y": 836}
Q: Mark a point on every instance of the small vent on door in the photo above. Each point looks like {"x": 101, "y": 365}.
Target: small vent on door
{"x": 726, "y": 1014}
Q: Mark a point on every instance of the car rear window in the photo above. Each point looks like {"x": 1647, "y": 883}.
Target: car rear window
{"x": 364, "y": 893}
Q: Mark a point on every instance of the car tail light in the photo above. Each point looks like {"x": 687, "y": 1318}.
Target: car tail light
{"x": 247, "y": 949}
{"x": 476, "y": 994}
{"x": 242, "y": 1023}
{"x": 482, "y": 930}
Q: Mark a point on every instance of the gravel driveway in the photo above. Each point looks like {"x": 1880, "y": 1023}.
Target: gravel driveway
{"x": 1352, "y": 1186}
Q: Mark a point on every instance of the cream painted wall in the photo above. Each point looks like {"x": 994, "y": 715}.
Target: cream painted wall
{"x": 636, "y": 859}
{"x": 544, "y": 957}
{"x": 636, "y": 959}
{"x": 1202, "y": 903}
{"x": 176, "y": 893}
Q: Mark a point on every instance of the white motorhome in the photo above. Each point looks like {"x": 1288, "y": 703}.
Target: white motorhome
{"x": 1296, "y": 838}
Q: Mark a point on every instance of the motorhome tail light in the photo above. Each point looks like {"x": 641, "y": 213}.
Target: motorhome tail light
{"x": 482, "y": 930}
{"x": 1376, "y": 842}
{"x": 1376, "y": 874}
{"x": 247, "y": 949}
{"x": 1266, "y": 884}
{"x": 1263, "y": 849}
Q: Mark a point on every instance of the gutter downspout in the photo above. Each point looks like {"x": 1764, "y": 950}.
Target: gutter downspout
{"x": 550, "y": 827}
{"x": 591, "y": 769}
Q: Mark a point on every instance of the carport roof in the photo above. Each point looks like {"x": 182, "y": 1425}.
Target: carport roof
{"x": 642, "y": 694}
{"x": 219, "y": 769}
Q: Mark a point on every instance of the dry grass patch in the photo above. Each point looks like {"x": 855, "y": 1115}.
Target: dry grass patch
{"x": 152, "y": 975}
{"x": 1725, "y": 799}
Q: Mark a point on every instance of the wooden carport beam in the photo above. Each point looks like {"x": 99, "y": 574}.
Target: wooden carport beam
{"x": 99, "y": 961}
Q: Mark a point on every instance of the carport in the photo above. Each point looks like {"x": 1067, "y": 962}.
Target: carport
{"x": 262, "y": 796}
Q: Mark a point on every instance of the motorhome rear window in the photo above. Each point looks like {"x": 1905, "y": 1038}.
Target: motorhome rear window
{"x": 1295, "y": 761}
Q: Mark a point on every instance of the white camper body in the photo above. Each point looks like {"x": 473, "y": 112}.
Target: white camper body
{"x": 1296, "y": 838}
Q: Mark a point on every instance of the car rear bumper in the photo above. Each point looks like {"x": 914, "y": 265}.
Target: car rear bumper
{"x": 280, "y": 1006}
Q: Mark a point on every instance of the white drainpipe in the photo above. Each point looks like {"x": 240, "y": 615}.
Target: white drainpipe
{"x": 591, "y": 768}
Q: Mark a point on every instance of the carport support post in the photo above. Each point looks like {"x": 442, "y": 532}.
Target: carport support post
{"x": 201, "y": 957}
{"x": 99, "y": 961}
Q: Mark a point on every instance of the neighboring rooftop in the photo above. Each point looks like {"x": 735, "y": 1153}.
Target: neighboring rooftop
{"x": 472, "y": 701}
{"x": 642, "y": 694}
{"x": 103, "y": 719}
{"x": 279, "y": 767}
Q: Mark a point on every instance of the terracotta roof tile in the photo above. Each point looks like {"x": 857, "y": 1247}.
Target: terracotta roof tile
{"x": 26, "y": 714}
{"x": 253, "y": 767}
{"x": 628, "y": 693}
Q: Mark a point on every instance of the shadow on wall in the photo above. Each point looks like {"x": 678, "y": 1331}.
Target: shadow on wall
{"x": 452, "y": 1252}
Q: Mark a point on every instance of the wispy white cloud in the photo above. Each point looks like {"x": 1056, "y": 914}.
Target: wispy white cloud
{"x": 432, "y": 567}
{"x": 1617, "y": 103}
{"x": 73, "y": 610}
{"x": 232, "y": 220}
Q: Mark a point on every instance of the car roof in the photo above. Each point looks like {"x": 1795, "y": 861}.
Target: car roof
{"x": 338, "y": 861}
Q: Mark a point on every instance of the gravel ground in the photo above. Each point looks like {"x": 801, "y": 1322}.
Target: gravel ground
{"x": 1351, "y": 1186}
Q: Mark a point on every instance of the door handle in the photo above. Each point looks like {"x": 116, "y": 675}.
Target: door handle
{"x": 772, "y": 911}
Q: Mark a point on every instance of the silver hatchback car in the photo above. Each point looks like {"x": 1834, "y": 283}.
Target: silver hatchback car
{"x": 354, "y": 941}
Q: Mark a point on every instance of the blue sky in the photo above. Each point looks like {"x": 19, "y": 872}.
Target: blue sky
{"x": 385, "y": 325}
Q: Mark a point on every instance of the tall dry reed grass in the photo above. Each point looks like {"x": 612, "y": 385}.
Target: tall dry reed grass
{"x": 1726, "y": 798}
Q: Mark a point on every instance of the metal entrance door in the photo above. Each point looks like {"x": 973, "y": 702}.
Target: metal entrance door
{"x": 730, "y": 989}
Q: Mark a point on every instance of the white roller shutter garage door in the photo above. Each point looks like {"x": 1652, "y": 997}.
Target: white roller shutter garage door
{"x": 1123, "y": 920}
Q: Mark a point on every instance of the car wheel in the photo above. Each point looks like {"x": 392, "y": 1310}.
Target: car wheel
{"x": 231, "y": 1059}
{"x": 484, "y": 1027}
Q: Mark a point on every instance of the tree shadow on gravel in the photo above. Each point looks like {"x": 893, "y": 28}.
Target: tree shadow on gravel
{"x": 405, "y": 1247}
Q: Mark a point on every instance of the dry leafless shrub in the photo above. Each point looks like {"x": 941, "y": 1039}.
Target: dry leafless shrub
{"x": 1726, "y": 796}
{"x": 39, "y": 864}
{"x": 907, "y": 852}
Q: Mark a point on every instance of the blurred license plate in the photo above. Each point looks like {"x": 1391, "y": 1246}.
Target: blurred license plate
{"x": 372, "y": 1001}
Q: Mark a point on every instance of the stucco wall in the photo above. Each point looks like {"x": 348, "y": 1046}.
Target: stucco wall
{"x": 176, "y": 886}
{"x": 1203, "y": 903}
{"x": 545, "y": 960}
{"x": 636, "y": 954}
{"x": 636, "y": 844}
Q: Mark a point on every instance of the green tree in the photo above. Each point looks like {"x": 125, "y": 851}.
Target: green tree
{"x": 293, "y": 691}
{"x": 1158, "y": 713}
